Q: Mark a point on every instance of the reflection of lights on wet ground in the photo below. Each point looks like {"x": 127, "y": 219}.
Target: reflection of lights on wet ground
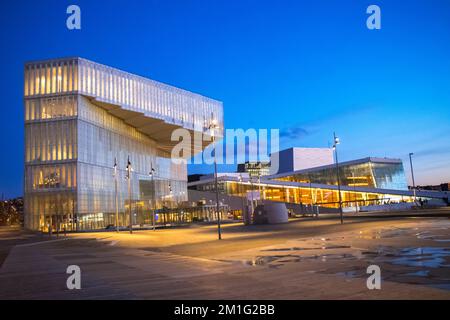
{"x": 405, "y": 255}
{"x": 428, "y": 257}
{"x": 420, "y": 273}
{"x": 426, "y": 235}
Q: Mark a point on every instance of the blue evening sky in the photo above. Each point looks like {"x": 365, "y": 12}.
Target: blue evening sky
{"x": 306, "y": 67}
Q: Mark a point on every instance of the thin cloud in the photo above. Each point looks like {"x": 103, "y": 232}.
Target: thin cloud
{"x": 293, "y": 133}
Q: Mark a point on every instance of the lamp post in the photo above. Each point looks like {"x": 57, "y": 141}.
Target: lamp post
{"x": 212, "y": 127}
{"x": 116, "y": 196}
{"x": 244, "y": 218}
{"x": 254, "y": 202}
{"x": 336, "y": 142}
{"x": 129, "y": 169}
{"x": 152, "y": 174}
{"x": 261, "y": 198}
{"x": 354, "y": 191}
{"x": 311, "y": 194}
{"x": 412, "y": 174}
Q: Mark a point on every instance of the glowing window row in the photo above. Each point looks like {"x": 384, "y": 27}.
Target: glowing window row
{"x": 50, "y": 108}
{"x": 51, "y": 141}
{"x": 51, "y": 77}
{"x": 59, "y": 176}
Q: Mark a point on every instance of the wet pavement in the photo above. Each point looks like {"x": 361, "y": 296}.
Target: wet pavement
{"x": 417, "y": 255}
{"x": 308, "y": 259}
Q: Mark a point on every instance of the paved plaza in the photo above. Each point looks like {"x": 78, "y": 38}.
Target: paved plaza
{"x": 304, "y": 259}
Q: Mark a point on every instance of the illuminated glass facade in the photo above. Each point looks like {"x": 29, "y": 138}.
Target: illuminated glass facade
{"x": 363, "y": 182}
{"x": 79, "y": 117}
{"x": 303, "y": 193}
{"x": 379, "y": 173}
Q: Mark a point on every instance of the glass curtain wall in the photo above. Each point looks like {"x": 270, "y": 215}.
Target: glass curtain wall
{"x": 71, "y": 144}
{"x": 102, "y": 138}
{"x": 130, "y": 91}
{"x": 50, "y": 162}
{"x": 367, "y": 174}
{"x": 305, "y": 195}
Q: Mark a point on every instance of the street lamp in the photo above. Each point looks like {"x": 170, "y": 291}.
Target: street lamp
{"x": 152, "y": 175}
{"x": 241, "y": 189}
{"x": 261, "y": 198}
{"x": 336, "y": 142}
{"x": 354, "y": 191}
{"x": 212, "y": 127}
{"x": 116, "y": 196}
{"x": 311, "y": 194}
{"x": 412, "y": 175}
{"x": 129, "y": 169}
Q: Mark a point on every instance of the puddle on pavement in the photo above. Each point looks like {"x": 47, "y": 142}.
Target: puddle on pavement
{"x": 420, "y": 273}
{"x": 264, "y": 260}
{"x": 422, "y": 265}
{"x": 279, "y": 260}
{"x": 383, "y": 233}
{"x": 311, "y": 248}
{"x": 427, "y": 257}
{"x": 426, "y": 235}
{"x": 425, "y": 265}
{"x": 348, "y": 274}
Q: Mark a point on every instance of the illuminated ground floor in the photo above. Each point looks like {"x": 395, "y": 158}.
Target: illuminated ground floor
{"x": 57, "y": 211}
{"x": 310, "y": 194}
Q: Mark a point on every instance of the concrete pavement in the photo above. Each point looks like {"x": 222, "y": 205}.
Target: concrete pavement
{"x": 308, "y": 259}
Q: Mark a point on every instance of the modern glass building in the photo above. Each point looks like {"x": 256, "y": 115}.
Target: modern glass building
{"x": 363, "y": 182}
{"x": 81, "y": 118}
{"x": 323, "y": 195}
{"x": 382, "y": 173}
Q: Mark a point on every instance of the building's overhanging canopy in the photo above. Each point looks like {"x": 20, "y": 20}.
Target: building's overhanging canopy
{"x": 156, "y": 128}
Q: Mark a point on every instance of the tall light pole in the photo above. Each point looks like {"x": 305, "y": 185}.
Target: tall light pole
{"x": 254, "y": 202}
{"x": 412, "y": 174}
{"x": 129, "y": 193}
{"x": 153, "y": 201}
{"x": 336, "y": 142}
{"x": 354, "y": 192}
{"x": 241, "y": 191}
{"x": 261, "y": 198}
{"x": 212, "y": 127}
{"x": 116, "y": 196}
{"x": 311, "y": 194}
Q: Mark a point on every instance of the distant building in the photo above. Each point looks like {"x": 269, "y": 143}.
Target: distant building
{"x": 439, "y": 187}
{"x": 254, "y": 169}
{"x": 294, "y": 159}
{"x": 11, "y": 212}
{"x": 194, "y": 177}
